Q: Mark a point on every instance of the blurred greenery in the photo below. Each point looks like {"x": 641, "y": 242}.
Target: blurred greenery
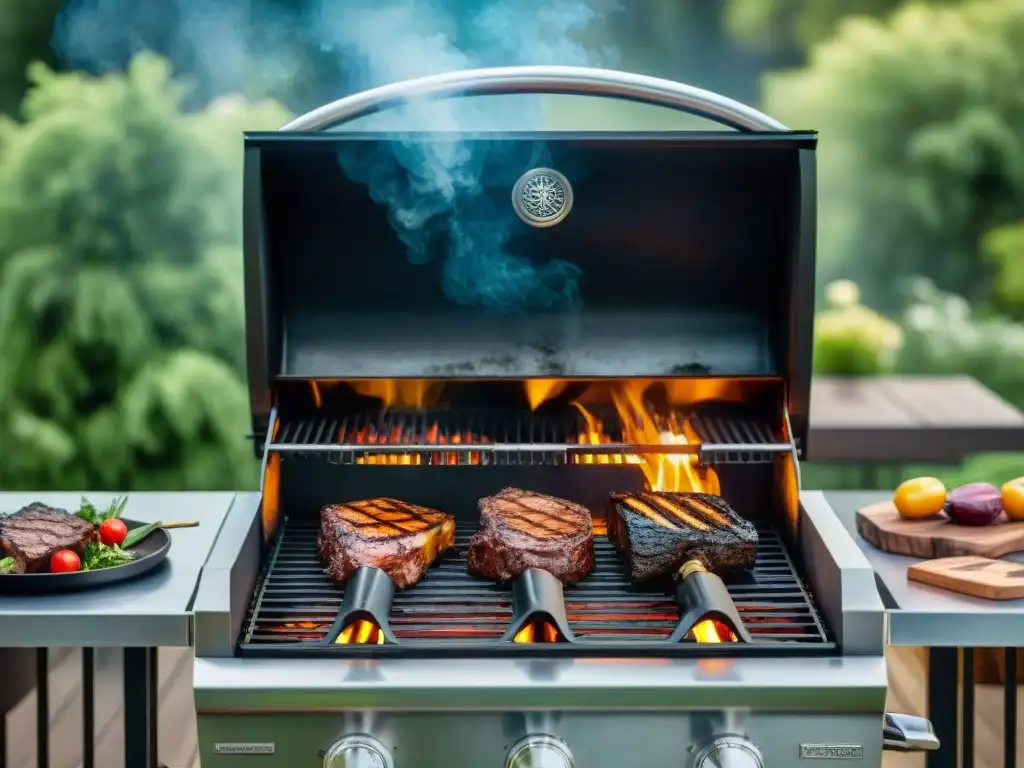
{"x": 851, "y": 339}
{"x": 793, "y": 27}
{"x": 1003, "y": 248}
{"x": 995, "y": 468}
{"x": 120, "y": 285}
{"x": 923, "y": 150}
{"x": 120, "y": 288}
{"x": 944, "y": 335}
{"x": 24, "y": 37}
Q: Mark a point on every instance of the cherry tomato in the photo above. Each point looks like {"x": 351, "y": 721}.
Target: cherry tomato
{"x": 112, "y": 532}
{"x": 65, "y": 561}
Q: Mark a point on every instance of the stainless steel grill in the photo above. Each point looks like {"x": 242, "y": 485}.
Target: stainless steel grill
{"x": 295, "y": 604}
{"x": 489, "y": 437}
{"x": 715, "y": 300}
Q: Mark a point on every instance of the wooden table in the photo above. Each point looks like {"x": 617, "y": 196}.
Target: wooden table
{"x": 908, "y": 419}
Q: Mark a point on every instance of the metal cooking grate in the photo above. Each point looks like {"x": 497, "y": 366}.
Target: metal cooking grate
{"x": 295, "y": 603}
{"x": 493, "y": 437}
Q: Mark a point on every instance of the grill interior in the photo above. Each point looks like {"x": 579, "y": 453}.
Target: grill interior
{"x": 294, "y": 604}
{"x": 516, "y": 437}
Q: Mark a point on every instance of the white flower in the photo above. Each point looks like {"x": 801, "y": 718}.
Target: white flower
{"x": 842, "y": 293}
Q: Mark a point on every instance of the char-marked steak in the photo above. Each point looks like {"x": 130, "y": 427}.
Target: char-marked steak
{"x": 656, "y": 533}
{"x": 32, "y": 535}
{"x": 399, "y": 538}
{"x": 520, "y": 530}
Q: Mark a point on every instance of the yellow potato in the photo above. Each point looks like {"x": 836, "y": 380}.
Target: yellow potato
{"x": 920, "y": 498}
{"x": 1013, "y": 499}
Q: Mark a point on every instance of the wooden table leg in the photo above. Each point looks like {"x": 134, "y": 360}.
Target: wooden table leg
{"x": 943, "y": 679}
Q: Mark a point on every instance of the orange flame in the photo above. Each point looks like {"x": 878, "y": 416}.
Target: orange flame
{"x": 400, "y": 393}
{"x": 399, "y": 436}
{"x": 361, "y": 632}
{"x": 539, "y": 391}
{"x": 662, "y": 472}
{"x": 710, "y": 631}
{"x": 537, "y": 632}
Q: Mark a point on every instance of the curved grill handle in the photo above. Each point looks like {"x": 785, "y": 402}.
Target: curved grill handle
{"x": 908, "y": 733}
{"x": 575, "y": 81}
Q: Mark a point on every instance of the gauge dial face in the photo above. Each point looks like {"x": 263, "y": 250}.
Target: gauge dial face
{"x": 542, "y": 197}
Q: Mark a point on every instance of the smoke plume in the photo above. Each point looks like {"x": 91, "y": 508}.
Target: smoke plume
{"x": 439, "y": 192}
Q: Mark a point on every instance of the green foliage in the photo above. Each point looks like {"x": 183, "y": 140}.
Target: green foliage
{"x": 120, "y": 285}
{"x": 994, "y": 468}
{"x": 922, "y": 148}
{"x": 1004, "y": 248}
{"x": 24, "y": 36}
{"x": 851, "y": 339}
{"x": 796, "y": 26}
{"x": 942, "y": 335}
{"x": 793, "y": 25}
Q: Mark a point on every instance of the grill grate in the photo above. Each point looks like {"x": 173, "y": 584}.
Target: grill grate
{"x": 513, "y": 438}
{"x": 295, "y": 603}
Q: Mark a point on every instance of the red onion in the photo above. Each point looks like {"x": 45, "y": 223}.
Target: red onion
{"x": 974, "y": 504}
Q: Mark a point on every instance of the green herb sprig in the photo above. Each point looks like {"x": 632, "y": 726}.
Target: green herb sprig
{"x": 99, "y": 556}
{"x": 88, "y": 511}
{"x": 7, "y": 565}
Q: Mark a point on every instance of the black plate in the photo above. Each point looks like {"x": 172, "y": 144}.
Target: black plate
{"x": 149, "y": 553}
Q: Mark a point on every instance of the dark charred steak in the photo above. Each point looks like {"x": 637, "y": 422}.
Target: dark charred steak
{"x": 655, "y": 533}
{"x": 521, "y": 530}
{"x": 32, "y": 534}
{"x": 399, "y": 538}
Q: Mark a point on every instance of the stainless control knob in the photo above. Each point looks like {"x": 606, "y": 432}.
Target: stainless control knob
{"x": 358, "y": 751}
{"x": 729, "y": 752}
{"x": 539, "y": 752}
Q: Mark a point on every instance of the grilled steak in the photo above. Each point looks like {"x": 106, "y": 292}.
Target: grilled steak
{"x": 656, "y": 533}
{"x": 32, "y": 534}
{"x": 399, "y": 538}
{"x": 521, "y": 530}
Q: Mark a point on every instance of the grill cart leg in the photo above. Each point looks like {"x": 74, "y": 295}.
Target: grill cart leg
{"x": 88, "y": 708}
{"x": 1010, "y": 709}
{"x": 943, "y": 679}
{"x": 953, "y": 721}
{"x": 42, "y": 708}
{"x": 140, "y": 707}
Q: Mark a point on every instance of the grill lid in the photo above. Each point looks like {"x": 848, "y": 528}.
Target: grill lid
{"x": 530, "y": 254}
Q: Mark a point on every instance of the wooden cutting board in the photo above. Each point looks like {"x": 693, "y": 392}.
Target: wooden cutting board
{"x": 976, "y": 576}
{"x": 882, "y": 526}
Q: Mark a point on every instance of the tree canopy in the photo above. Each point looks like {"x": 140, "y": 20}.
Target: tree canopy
{"x": 792, "y": 27}
{"x": 120, "y": 284}
{"x": 922, "y": 150}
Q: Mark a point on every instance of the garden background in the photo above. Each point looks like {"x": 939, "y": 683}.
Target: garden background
{"x": 121, "y": 313}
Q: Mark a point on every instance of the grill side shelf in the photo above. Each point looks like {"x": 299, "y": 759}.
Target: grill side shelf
{"x": 458, "y": 437}
{"x": 451, "y": 611}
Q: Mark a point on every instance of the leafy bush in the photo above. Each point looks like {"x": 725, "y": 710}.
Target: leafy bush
{"x": 120, "y": 286}
{"x": 923, "y": 142}
{"x": 1004, "y": 249}
{"x": 942, "y": 335}
{"x": 851, "y": 339}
